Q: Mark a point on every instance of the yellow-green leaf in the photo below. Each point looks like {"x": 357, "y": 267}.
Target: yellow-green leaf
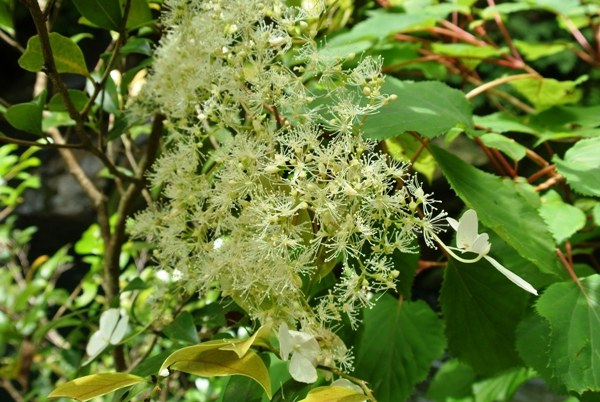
{"x": 68, "y": 57}
{"x": 334, "y": 394}
{"x": 241, "y": 347}
{"x": 208, "y": 360}
{"x": 91, "y": 386}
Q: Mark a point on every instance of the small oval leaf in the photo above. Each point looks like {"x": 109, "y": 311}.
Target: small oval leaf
{"x": 68, "y": 57}
{"x": 91, "y": 386}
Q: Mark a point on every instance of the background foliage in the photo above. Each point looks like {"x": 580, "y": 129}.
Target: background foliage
{"x": 498, "y": 110}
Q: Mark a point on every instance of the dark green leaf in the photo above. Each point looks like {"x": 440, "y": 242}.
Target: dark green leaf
{"x": 574, "y": 315}
{"x": 139, "y": 14}
{"x": 136, "y": 284}
{"x": 240, "y": 388}
{"x": 137, "y": 45}
{"x": 78, "y": 98}
{"x": 151, "y": 365}
{"x": 481, "y": 309}
{"x": 400, "y": 341}
{"x": 27, "y": 116}
{"x": 502, "y": 205}
{"x": 451, "y": 382}
{"x": 103, "y": 13}
{"x": 429, "y": 108}
{"x": 6, "y": 19}
{"x": 581, "y": 166}
{"x": 182, "y": 329}
{"x": 68, "y": 57}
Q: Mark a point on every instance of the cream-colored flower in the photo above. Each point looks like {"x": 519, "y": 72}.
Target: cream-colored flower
{"x": 304, "y": 350}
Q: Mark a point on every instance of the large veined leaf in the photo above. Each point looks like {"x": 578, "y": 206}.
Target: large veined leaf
{"x": 92, "y": 386}
{"x": 505, "y": 207}
{"x": 399, "y": 343}
{"x": 68, "y": 57}
{"x": 573, "y": 312}
{"x": 429, "y": 108}
{"x": 481, "y": 309}
{"x": 547, "y": 92}
{"x": 209, "y": 359}
{"x": 581, "y": 166}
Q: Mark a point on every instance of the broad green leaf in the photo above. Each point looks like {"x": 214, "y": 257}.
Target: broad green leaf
{"x": 574, "y": 317}
{"x": 260, "y": 337}
{"x": 503, "y": 122}
{"x": 137, "y": 45}
{"x": 508, "y": 208}
{"x": 481, "y": 309}
{"x": 507, "y": 145}
{"x": 103, "y": 13}
{"x": 405, "y": 147}
{"x": 182, "y": 329}
{"x": 452, "y": 381}
{"x": 334, "y": 394}
{"x": 242, "y": 388}
{"x": 208, "y": 360}
{"x": 78, "y": 98}
{"x": 555, "y": 6}
{"x": 92, "y": 386}
{"x": 501, "y": 387}
{"x": 471, "y": 55}
{"x": 400, "y": 341}
{"x": 27, "y": 116}
{"x": 581, "y": 166}
{"x": 139, "y": 14}
{"x": 429, "y": 108}
{"x": 533, "y": 51}
{"x": 68, "y": 57}
{"x": 562, "y": 219}
{"x": 544, "y": 93}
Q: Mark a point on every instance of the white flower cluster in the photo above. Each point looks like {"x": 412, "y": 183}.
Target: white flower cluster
{"x": 270, "y": 192}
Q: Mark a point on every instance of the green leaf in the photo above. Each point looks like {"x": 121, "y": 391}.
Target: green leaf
{"x": 242, "y": 388}
{"x": 547, "y": 92}
{"x": 481, "y": 309}
{"x": 91, "y": 386}
{"x": 472, "y": 55}
{"x": 400, "y": 341}
{"x": 68, "y": 57}
{"x": 533, "y": 51}
{"x": 452, "y": 381}
{"x": 6, "y": 19}
{"x": 508, "y": 208}
{"x": 581, "y": 166}
{"x": 507, "y": 145}
{"x": 209, "y": 360}
{"x": 574, "y": 316}
{"x": 182, "y": 329}
{"x": 27, "y": 116}
{"x": 501, "y": 387}
{"x": 562, "y": 219}
{"x": 334, "y": 394}
{"x": 139, "y": 14}
{"x": 429, "y": 108}
{"x": 596, "y": 214}
{"x": 103, "y": 13}
{"x": 78, "y": 98}
{"x": 405, "y": 147}
{"x": 503, "y": 122}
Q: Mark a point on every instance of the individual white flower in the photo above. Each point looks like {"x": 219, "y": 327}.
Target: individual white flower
{"x": 469, "y": 240}
{"x": 304, "y": 350}
{"x": 113, "y": 327}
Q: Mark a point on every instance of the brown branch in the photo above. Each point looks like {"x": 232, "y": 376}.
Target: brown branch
{"x": 10, "y": 140}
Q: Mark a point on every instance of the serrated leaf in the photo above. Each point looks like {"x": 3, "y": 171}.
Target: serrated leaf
{"x": 400, "y": 341}
{"x": 507, "y": 145}
{"x": 103, "y": 13}
{"x": 502, "y": 205}
{"x": 68, "y": 57}
{"x": 581, "y": 166}
{"x": 547, "y": 92}
{"x": 182, "y": 329}
{"x": 27, "y": 116}
{"x": 562, "y": 219}
{"x": 334, "y": 394}
{"x": 574, "y": 316}
{"x": 429, "y": 108}
{"x": 91, "y": 386}
{"x": 208, "y": 360}
{"x": 481, "y": 309}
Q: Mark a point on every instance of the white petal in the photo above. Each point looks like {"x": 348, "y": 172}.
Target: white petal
{"x": 514, "y": 278}
{"x": 120, "y": 330}
{"x": 467, "y": 229}
{"x": 108, "y": 321}
{"x": 481, "y": 245}
{"x": 453, "y": 223}
{"x": 310, "y": 349}
{"x": 302, "y": 370}
{"x": 286, "y": 343}
{"x": 96, "y": 344}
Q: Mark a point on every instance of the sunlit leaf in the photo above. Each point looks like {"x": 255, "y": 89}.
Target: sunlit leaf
{"x": 581, "y": 166}
{"x": 91, "y": 386}
{"x": 547, "y": 92}
{"x": 400, "y": 341}
{"x": 562, "y": 219}
{"x": 574, "y": 316}
{"x": 68, "y": 57}
{"x": 507, "y": 145}
{"x": 533, "y": 51}
{"x": 333, "y": 394}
